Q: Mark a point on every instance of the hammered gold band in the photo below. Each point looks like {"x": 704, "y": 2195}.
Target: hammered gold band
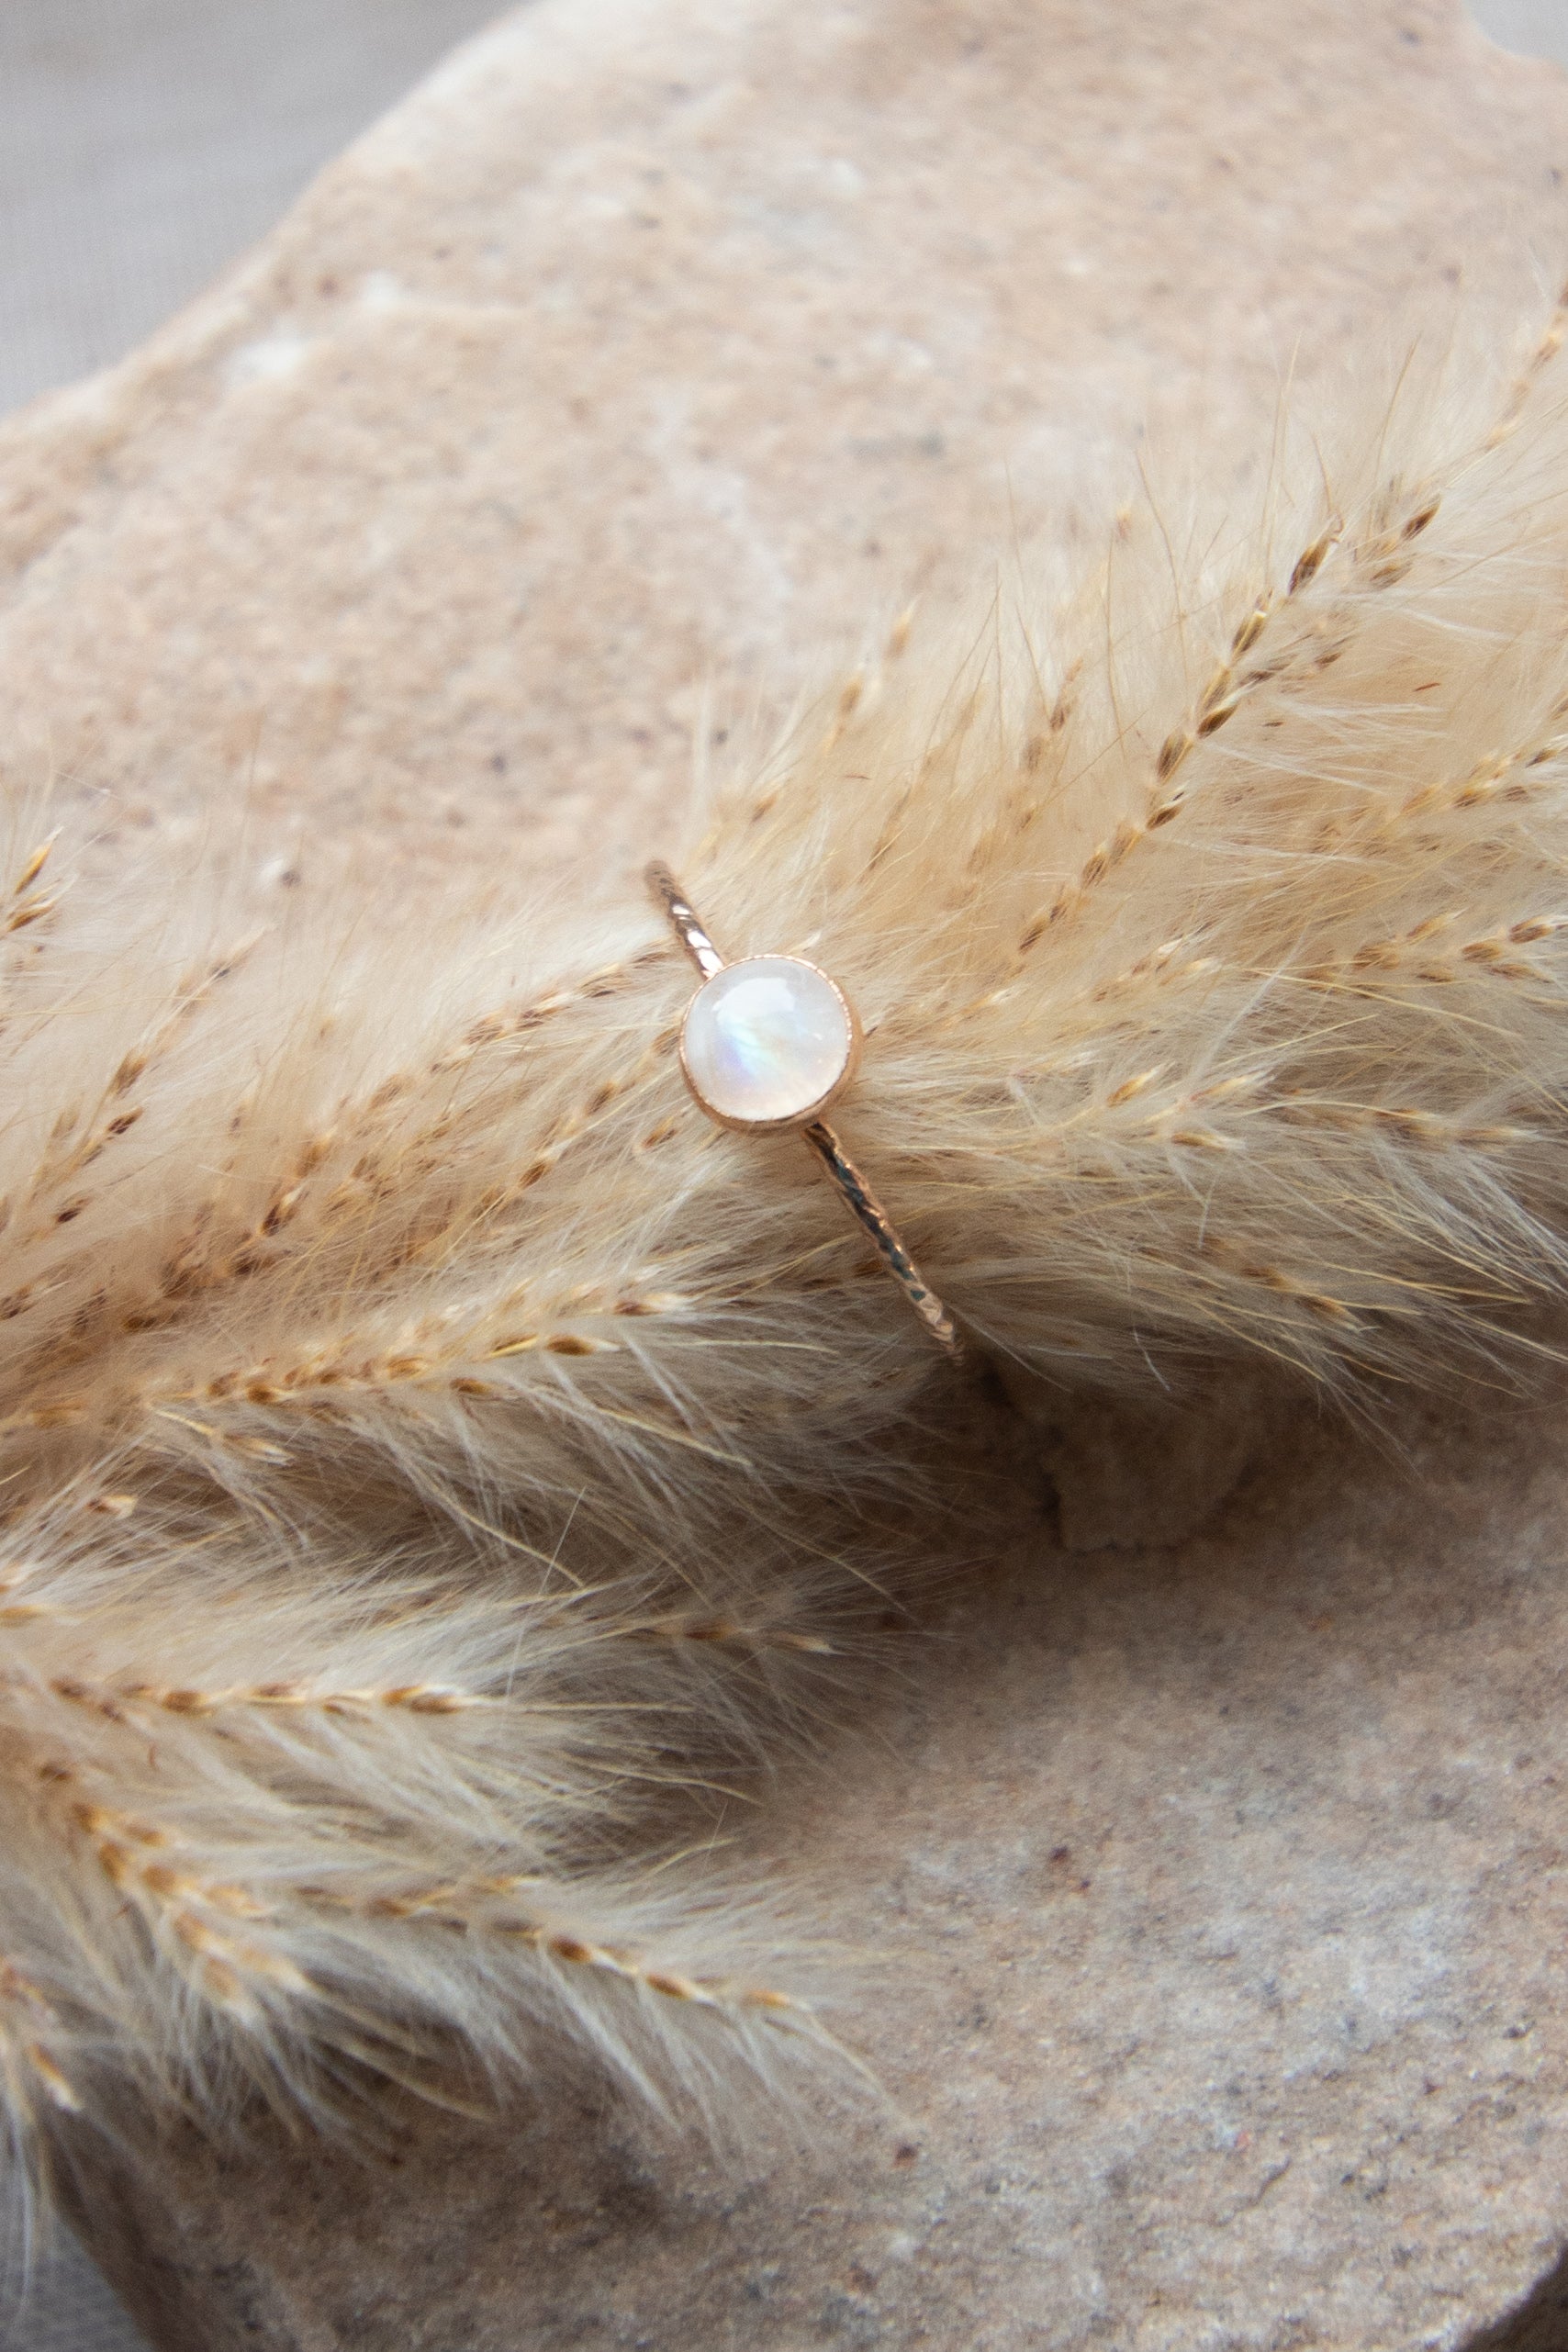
{"x": 767, "y": 1043}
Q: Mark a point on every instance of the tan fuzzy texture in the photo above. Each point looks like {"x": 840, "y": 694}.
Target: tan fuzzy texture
{"x": 435, "y": 1460}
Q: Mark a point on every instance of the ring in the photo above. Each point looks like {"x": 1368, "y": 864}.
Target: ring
{"x": 767, "y": 1045}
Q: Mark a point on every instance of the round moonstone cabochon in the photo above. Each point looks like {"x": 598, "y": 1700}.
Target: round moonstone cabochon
{"x": 766, "y": 1040}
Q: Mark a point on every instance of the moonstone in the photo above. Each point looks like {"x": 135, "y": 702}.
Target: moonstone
{"x": 766, "y": 1040}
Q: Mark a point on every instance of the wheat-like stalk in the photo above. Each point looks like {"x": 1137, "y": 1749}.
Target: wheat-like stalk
{"x": 433, "y": 1458}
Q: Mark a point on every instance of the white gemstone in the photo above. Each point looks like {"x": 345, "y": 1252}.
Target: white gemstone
{"x": 766, "y": 1040}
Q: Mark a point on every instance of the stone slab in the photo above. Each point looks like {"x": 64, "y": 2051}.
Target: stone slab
{"x": 1210, "y": 1846}
{"x": 1212, "y": 1899}
{"x": 655, "y": 345}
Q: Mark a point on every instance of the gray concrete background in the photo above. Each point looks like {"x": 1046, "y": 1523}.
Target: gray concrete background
{"x": 143, "y": 144}
{"x": 1534, "y": 28}
{"x": 68, "y": 2308}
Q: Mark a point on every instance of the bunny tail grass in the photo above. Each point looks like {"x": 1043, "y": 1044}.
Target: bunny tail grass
{"x": 434, "y": 1459}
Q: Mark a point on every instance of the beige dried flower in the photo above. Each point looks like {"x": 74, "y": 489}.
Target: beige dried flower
{"x": 430, "y": 1451}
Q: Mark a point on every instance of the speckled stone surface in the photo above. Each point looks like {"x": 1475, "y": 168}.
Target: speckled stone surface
{"x": 1215, "y": 1898}
{"x": 1209, "y": 1848}
{"x": 662, "y": 341}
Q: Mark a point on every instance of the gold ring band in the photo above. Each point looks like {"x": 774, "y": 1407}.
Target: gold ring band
{"x": 766, "y": 1045}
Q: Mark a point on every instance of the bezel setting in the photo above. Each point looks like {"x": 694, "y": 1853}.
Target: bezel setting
{"x": 725, "y": 978}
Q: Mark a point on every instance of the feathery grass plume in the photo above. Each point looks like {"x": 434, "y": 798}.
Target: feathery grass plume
{"x": 433, "y": 1457}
